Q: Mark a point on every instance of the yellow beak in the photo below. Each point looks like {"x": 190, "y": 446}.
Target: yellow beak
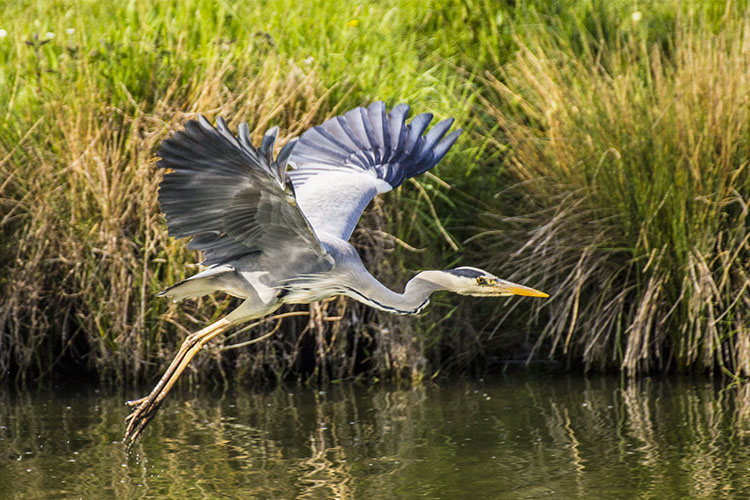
{"x": 514, "y": 289}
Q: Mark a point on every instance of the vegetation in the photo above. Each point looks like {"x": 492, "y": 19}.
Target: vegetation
{"x": 627, "y": 167}
{"x": 604, "y": 160}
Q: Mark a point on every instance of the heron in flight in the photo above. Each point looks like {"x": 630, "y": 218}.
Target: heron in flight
{"x": 272, "y": 235}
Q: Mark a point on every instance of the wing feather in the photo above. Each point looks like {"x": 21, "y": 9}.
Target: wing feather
{"x": 232, "y": 199}
{"x": 340, "y": 165}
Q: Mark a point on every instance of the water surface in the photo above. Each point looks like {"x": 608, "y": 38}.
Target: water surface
{"x": 514, "y": 437}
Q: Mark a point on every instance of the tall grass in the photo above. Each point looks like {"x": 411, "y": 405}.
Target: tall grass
{"x": 628, "y": 189}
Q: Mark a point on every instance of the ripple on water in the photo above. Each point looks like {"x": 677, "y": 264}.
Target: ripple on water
{"x": 513, "y": 437}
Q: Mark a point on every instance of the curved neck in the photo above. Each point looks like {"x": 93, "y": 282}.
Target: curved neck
{"x": 415, "y": 298}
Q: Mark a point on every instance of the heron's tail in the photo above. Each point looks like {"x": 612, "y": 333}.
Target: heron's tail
{"x": 203, "y": 283}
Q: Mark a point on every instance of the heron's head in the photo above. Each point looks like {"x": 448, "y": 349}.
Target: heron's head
{"x": 472, "y": 281}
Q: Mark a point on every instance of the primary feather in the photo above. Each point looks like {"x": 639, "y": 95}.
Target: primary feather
{"x": 342, "y": 164}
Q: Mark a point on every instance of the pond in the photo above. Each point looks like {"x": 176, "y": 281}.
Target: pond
{"x": 519, "y": 436}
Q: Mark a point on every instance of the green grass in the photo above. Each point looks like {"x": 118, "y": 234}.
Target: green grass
{"x": 626, "y": 167}
{"x": 85, "y": 249}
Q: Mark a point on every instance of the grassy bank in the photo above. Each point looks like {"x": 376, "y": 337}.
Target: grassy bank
{"x": 626, "y": 188}
{"x": 605, "y": 155}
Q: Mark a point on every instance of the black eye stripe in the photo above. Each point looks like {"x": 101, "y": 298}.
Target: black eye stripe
{"x": 466, "y": 273}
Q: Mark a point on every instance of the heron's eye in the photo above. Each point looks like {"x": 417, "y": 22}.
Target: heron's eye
{"x": 480, "y": 281}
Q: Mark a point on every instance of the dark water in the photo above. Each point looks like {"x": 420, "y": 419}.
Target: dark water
{"x": 515, "y": 437}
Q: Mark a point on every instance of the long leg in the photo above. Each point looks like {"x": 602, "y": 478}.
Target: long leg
{"x": 146, "y": 407}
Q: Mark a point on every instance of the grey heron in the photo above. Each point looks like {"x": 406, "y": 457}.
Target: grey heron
{"x": 272, "y": 235}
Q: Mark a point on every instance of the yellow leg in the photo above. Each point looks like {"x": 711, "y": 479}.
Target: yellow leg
{"x": 146, "y": 407}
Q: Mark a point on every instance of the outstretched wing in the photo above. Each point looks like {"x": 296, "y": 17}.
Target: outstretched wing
{"x": 344, "y": 163}
{"x": 232, "y": 199}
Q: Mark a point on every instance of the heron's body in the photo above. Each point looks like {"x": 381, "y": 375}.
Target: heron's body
{"x": 348, "y": 276}
{"x": 273, "y": 236}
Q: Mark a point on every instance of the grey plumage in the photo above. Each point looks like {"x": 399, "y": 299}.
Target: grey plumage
{"x": 370, "y": 139}
{"x": 230, "y": 198}
{"x": 248, "y": 213}
{"x": 342, "y": 164}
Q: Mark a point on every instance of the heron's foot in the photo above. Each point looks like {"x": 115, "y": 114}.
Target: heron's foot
{"x": 144, "y": 410}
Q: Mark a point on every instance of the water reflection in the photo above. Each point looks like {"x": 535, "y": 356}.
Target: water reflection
{"x": 515, "y": 437}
